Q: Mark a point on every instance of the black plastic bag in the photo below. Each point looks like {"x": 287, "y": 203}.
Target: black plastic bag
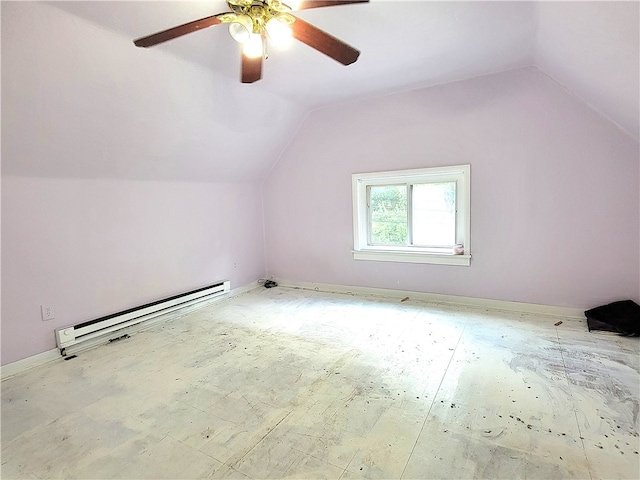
{"x": 622, "y": 317}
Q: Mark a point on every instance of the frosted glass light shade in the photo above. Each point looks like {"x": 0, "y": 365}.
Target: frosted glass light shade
{"x": 279, "y": 32}
{"x": 241, "y": 28}
{"x": 253, "y": 48}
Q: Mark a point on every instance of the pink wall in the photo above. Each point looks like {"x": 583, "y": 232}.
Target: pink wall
{"x": 121, "y": 177}
{"x": 119, "y": 188}
{"x": 93, "y": 247}
{"x": 554, "y": 192}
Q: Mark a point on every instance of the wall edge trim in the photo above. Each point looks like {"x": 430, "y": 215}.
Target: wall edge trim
{"x": 504, "y": 305}
{"x": 19, "y": 366}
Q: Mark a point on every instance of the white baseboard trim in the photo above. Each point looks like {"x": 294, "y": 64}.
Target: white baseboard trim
{"x": 25, "y": 364}
{"x": 14, "y": 368}
{"x": 234, "y": 292}
{"x": 11, "y": 369}
{"x": 520, "y": 307}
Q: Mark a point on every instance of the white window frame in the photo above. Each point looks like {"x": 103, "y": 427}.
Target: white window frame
{"x": 461, "y": 174}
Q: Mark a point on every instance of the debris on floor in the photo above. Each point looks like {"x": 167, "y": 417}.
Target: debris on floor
{"x": 620, "y": 317}
{"x": 122, "y": 337}
{"x": 558, "y": 323}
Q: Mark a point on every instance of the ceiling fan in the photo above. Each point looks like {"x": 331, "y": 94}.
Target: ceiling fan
{"x": 251, "y": 22}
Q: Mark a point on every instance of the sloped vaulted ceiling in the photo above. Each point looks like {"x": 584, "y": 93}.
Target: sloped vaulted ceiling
{"x": 104, "y": 108}
{"x": 592, "y": 49}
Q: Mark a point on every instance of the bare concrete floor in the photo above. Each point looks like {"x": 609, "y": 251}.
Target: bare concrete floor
{"x": 285, "y": 383}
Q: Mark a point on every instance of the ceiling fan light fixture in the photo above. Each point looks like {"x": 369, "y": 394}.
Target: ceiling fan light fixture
{"x": 279, "y": 32}
{"x": 241, "y": 28}
{"x": 252, "y": 22}
{"x": 254, "y": 47}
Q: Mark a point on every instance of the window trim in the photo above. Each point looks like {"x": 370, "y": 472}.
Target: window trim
{"x": 411, "y": 254}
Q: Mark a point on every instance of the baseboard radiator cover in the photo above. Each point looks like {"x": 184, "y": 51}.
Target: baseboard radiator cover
{"x": 116, "y": 323}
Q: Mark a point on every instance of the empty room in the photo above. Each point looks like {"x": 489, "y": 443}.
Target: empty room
{"x": 345, "y": 239}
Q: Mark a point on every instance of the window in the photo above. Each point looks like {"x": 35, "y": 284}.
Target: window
{"x": 419, "y": 216}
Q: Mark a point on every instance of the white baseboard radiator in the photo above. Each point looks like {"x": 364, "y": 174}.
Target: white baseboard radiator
{"x": 94, "y": 331}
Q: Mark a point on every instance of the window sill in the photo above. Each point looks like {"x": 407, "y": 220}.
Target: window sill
{"x": 412, "y": 257}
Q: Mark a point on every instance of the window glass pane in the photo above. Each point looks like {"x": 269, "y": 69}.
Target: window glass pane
{"x": 388, "y": 214}
{"x": 434, "y": 214}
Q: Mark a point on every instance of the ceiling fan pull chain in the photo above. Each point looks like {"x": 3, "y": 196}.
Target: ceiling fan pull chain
{"x": 265, "y": 46}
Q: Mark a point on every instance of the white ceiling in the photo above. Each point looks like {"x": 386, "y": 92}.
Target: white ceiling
{"x": 403, "y": 44}
{"x": 223, "y": 129}
{"x": 590, "y": 47}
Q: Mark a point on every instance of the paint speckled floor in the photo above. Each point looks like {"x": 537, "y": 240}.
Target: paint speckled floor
{"x": 286, "y": 383}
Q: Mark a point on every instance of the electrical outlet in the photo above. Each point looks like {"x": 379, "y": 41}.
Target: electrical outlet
{"x": 47, "y": 312}
{"x": 235, "y": 265}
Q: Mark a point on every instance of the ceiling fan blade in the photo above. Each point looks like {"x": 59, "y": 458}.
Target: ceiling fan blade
{"x": 306, "y": 4}
{"x": 175, "y": 32}
{"x": 251, "y": 69}
{"x": 323, "y": 42}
